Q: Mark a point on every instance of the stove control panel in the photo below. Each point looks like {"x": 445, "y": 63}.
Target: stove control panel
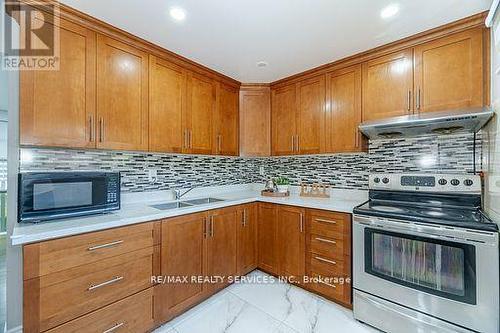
{"x": 426, "y": 182}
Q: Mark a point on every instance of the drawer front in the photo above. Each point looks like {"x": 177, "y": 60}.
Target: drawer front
{"x": 332, "y": 225}
{"x": 329, "y": 247}
{"x": 133, "y": 314}
{"x": 328, "y": 287}
{"x": 333, "y": 267}
{"x": 81, "y": 294}
{"x": 52, "y": 256}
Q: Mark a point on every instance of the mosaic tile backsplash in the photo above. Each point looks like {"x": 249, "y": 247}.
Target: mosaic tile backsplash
{"x": 447, "y": 154}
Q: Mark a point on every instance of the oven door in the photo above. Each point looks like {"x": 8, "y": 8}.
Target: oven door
{"x": 448, "y": 273}
{"x": 46, "y": 196}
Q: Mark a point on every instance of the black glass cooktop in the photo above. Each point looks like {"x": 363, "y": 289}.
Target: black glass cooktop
{"x": 444, "y": 209}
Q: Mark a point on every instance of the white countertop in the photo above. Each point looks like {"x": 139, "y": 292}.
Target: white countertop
{"x": 136, "y": 209}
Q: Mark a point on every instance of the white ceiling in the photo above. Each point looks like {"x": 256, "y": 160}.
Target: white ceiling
{"x": 231, "y": 36}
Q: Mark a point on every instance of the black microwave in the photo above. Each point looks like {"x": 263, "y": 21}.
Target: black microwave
{"x": 45, "y": 196}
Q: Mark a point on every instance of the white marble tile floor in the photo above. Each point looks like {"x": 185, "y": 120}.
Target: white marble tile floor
{"x": 263, "y": 304}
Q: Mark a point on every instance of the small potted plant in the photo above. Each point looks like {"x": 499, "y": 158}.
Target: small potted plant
{"x": 282, "y": 184}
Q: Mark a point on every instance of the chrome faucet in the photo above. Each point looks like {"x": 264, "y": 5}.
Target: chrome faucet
{"x": 178, "y": 195}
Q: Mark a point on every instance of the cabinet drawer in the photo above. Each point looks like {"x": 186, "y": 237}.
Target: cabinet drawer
{"x": 332, "y": 248}
{"x": 329, "y": 288}
{"x": 60, "y": 297}
{"x": 333, "y": 225}
{"x": 57, "y": 255}
{"x": 133, "y": 314}
{"x": 334, "y": 267}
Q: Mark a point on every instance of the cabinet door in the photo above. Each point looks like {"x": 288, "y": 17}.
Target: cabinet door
{"x": 221, "y": 244}
{"x": 283, "y": 114}
{"x": 310, "y": 137}
{"x": 388, "y": 86}
{"x": 344, "y": 113}
{"x": 226, "y": 140}
{"x": 449, "y": 72}
{"x": 291, "y": 242}
{"x": 122, "y": 95}
{"x": 255, "y": 121}
{"x": 57, "y": 108}
{"x": 200, "y": 115}
{"x": 182, "y": 254}
{"x": 247, "y": 239}
{"x": 267, "y": 238}
{"x": 167, "y": 97}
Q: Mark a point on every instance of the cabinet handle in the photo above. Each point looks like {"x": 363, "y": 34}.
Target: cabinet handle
{"x": 297, "y": 143}
{"x": 325, "y": 260}
{"x": 189, "y": 138}
{"x": 106, "y": 283}
{"x": 301, "y": 222}
{"x": 356, "y": 138}
{"x": 326, "y": 221}
{"x": 91, "y": 125}
{"x": 418, "y": 99}
{"x": 103, "y": 246}
{"x": 114, "y": 328}
{"x": 244, "y": 217}
{"x": 408, "y": 102}
{"x": 185, "y": 139}
{"x": 101, "y": 129}
{"x": 212, "y": 226}
{"x": 205, "y": 228}
{"x": 325, "y": 240}
{"x": 293, "y": 142}
{"x": 327, "y": 284}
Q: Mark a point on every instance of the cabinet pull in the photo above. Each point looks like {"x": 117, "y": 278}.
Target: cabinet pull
{"x": 244, "y": 217}
{"x": 219, "y": 143}
{"x": 106, "y": 283}
{"x": 205, "y": 228}
{"x": 212, "y": 226}
{"x": 101, "y": 129}
{"x": 325, "y": 240}
{"x": 325, "y": 260}
{"x": 189, "y": 139}
{"x": 293, "y": 142}
{"x": 327, "y": 284}
{"x": 408, "y": 102}
{"x": 356, "y": 138}
{"x": 91, "y": 125}
{"x": 185, "y": 139}
{"x": 103, "y": 246}
{"x": 326, "y": 221}
{"x": 114, "y": 328}
{"x": 297, "y": 143}
{"x": 418, "y": 99}
{"x": 301, "y": 222}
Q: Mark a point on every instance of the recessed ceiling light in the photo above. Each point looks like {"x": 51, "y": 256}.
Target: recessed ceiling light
{"x": 389, "y": 11}
{"x": 177, "y": 13}
{"x": 262, "y": 64}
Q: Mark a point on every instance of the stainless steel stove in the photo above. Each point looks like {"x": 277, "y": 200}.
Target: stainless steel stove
{"x": 426, "y": 257}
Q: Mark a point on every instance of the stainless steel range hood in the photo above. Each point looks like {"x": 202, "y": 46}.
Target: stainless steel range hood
{"x": 443, "y": 122}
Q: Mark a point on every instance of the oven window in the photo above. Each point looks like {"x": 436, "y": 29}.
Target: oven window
{"x": 438, "y": 267}
{"x": 61, "y": 195}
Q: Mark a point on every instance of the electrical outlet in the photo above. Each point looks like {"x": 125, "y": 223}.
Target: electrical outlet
{"x": 262, "y": 172}
{"x": 152, "y": 175}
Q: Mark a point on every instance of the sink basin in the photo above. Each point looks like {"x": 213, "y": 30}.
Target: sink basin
{"x": 202, "y": 201}
{"x": 171, "y": 205}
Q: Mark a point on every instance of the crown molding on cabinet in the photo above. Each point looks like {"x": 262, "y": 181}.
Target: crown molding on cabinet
{"x": 92, "y": 23}
{"x": 470, "y": 22}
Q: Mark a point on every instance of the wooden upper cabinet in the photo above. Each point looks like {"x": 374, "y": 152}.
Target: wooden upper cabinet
{"x": 310, "y": 137}
{"x": 255, "y": 121}
{"x": 388, "y": 86}
{"x": 343, "y": 95}
{"x": 200, "y": 114}
{"x": 122, "y": 95}
{"x": 291, "y": 241}
{"x": 449, "y": 72}
{"x": 57, "y": 108}
{"x": 167, "y": 104}
{"x": 226, "y": 129}
{"x": 284, "y": 120}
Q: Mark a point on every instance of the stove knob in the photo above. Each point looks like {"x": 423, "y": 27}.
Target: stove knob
{"x": 376, "y": 180}
{"x": 455, "y": 182}
{"x": 468, "y": 182}
{"x": 442, "y": 181}
{"x": 385, "y": 180}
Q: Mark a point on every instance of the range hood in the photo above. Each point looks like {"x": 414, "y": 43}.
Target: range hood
{"x": 443, "y": 122}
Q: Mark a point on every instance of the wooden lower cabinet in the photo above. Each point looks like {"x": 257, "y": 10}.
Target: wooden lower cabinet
{"x": 291, "y": 242}
{"x": 268, "y": 237}
{"x": 246, "y": 256}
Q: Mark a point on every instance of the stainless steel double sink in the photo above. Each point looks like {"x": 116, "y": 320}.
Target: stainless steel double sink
{"x": 186, "y": 203}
